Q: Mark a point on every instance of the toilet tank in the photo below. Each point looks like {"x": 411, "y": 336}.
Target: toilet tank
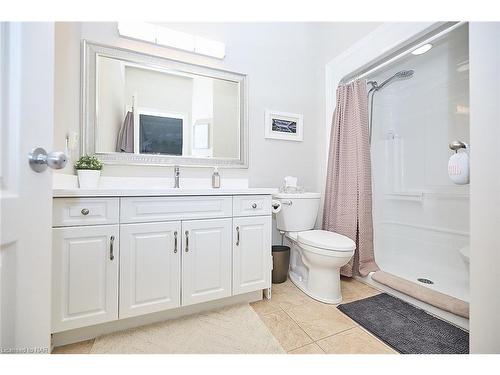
{"x": 298, "y": 211}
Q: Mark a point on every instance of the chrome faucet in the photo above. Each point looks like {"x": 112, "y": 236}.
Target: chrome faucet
{"x": 177, "y": 175}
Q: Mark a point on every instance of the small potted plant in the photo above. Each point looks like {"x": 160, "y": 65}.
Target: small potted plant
{"x": 89, "y": 170}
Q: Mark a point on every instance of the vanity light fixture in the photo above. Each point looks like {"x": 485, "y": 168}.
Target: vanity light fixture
{"x": 163, "y": 36}
{"x": 422, "y": 49}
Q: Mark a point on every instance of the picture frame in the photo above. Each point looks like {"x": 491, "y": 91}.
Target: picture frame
{"x": 283, "y": 126}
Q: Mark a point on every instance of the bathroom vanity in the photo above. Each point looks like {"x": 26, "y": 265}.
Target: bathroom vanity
{"x": 119, "y": 254}
{"x": 125, "y": 257}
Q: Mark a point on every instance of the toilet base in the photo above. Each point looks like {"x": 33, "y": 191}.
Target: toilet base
{"x": 301, "y": 284}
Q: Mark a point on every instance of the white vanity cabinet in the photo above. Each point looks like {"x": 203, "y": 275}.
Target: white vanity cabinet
{"x": 206, "y": 260}
{"x": 84, "y": 276}
{"x": 150, "y": 267}
{"x": 155, "y": 253}
{"x": 252, "y": 260}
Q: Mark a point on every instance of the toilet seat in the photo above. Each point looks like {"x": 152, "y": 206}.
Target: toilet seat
{"x": 324, "y": 242}
{"x": 327, "y": 252}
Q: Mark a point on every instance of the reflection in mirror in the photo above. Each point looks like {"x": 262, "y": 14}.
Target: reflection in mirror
{"x": 142, "y": 109}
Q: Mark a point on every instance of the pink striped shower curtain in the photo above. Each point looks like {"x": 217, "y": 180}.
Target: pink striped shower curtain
{"x": 348, "y": 194}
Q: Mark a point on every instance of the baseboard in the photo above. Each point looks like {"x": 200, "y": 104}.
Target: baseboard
{"x": 90, "y": 332}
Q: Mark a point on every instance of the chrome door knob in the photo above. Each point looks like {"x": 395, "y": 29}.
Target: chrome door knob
{"x": 39, "y": 160}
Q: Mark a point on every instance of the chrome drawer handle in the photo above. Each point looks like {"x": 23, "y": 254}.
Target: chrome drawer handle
{"x": 187, "y": 240}
{"x": 237, "y": 236}
{"x": 254, "y": 205}
{"x": 111, "y": 244}
{"x": 85, "y": 211}
{"x": 175, "y": 242}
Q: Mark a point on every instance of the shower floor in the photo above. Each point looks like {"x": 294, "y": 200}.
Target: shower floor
{"x": 445, "y": 281}
{"x": 447, "y": 278}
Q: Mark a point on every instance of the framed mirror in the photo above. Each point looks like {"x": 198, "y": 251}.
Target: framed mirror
{"x": 139, "y": 109}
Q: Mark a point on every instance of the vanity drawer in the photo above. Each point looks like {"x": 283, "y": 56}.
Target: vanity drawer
{"x": 145, "y": 209}
{"x": 85, "y": 211}
{"x": 251, "y": 205}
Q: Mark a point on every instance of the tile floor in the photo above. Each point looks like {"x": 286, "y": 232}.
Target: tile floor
{"x": 303, "y": 325}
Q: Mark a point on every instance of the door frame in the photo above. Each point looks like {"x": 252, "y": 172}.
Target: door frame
{"x": 484, "y": 82}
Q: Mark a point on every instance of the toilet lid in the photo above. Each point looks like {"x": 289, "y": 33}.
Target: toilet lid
{"x": 326, "y": 240}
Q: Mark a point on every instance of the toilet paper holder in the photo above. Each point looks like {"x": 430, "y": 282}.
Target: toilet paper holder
{"x": 457, "y": 145}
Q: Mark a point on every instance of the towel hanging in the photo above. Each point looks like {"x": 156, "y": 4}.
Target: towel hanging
{"x": 125, "y": 140}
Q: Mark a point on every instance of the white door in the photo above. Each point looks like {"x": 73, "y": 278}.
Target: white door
{"x": 206, "y": 260}
{"x": 251, "y": 254}
{"x": 150, "y": 267}
{"x": 85, "y": 276}
{"x": 26, "y": 112}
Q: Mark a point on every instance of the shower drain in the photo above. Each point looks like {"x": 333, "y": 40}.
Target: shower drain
{"x": 425, "y": 281}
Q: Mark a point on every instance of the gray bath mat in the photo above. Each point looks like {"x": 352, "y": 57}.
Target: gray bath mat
{"x": 407, "y": 329}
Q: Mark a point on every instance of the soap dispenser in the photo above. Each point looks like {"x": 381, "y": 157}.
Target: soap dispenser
{"x": 216, "y": 179}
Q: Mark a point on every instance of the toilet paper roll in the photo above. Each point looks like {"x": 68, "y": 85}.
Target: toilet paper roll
{"x": 458, "y": 168}
{"x": 275, "y": 206}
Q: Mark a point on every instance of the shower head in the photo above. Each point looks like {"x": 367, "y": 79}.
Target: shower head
{"x": 405, "y": 73}
{"x": 402, "y": 74}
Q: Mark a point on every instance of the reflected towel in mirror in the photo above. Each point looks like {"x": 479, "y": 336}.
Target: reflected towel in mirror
{"x": 125, "y": 141}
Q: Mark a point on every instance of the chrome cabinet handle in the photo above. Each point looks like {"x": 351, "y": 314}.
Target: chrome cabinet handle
{"x": 175, "y": 242}
{"x": 187, "y": 240}
{"x": 237, "y": 236}
{"x": 111, "y": 244}
{"x": 288, "y": 203}
{"x": 85, "y": 211}
{"x": 254, "y": 205}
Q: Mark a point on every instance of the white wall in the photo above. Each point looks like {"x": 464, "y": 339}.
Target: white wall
{"x": 285, "y": 67}
{"x": 485, "y": 187}
{"x": 66, "y": 86}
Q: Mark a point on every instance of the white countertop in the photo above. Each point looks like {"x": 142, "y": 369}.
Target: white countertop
{"x": 137, "y": 192}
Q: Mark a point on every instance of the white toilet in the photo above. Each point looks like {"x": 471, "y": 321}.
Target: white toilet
{"x": 316, "y": 255}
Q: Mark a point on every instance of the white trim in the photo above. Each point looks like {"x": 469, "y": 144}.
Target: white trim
{"x": 484, "y": 59}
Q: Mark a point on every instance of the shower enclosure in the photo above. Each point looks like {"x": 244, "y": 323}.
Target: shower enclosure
{"x": 420, "y": 218}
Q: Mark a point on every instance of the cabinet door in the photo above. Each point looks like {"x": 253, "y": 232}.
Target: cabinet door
{"x": 150, "y": 265}
{"x": 84, "y": 276}
{"x": 251, "y": 254}
{"x": 206, "y": 260}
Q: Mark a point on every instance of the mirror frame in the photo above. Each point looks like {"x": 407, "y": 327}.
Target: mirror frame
{"x": 90, "y": 51}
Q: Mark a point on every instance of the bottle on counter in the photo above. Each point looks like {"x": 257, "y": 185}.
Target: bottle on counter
{"x": 216, "y": 179}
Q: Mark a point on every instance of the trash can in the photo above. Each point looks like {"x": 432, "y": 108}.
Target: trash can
{"x": 281, "y": 261}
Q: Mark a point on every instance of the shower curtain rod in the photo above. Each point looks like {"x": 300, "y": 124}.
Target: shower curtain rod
{"x": 407, "y": 51}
